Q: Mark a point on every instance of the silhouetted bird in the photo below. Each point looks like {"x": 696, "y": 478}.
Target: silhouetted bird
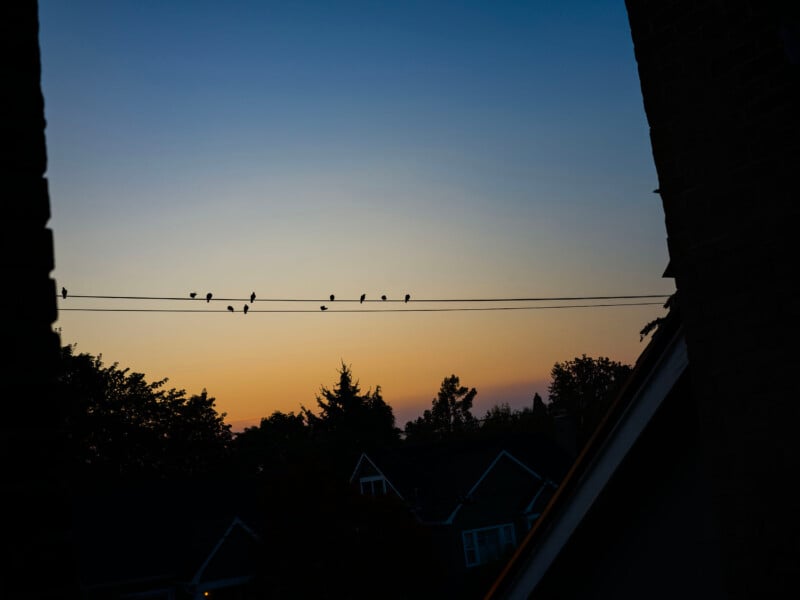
{"x": 332, "y": 297}
{"x": 323, "y": 307}
{"x": 408, "y": 297}
{"x": 208, "y": 297}
{"x": 363, "y": 297}
{"x": 252, "y": 297}
{"x": 383, "y": 297}
{"x": 192, "y": 295}
{"x": 230, "y": 308}
{"x": 246, "y": 308}
{"x": 64, "y": 293}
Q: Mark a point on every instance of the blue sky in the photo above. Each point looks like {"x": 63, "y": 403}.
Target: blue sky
{"x": 449, "y": 149}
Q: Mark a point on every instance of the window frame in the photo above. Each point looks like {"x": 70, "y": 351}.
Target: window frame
{"x": 507, "y": 535}
{"x": 371, "y": 479}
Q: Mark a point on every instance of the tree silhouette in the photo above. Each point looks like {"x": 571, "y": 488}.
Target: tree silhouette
{"x": 583, "y": 388}
{"x": 351, "y": 418}
{"x": 502, "y": 419}
{"x": 279, "y": 441}
{"x": 539, "y": 407}
{"x": 122, "y": 426}
{"x": 450, "y": 413}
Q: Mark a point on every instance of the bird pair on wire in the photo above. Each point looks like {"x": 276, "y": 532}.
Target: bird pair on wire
{"x": 209, "y": 295}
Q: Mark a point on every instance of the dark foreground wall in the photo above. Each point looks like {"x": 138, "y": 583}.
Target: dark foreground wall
{"x": 36, "y": 546}
{"x": 721, "y": 87}
{"x": 649, "y": 534}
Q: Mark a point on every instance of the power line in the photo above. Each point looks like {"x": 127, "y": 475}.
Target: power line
{"x": 366, "y": 310}
{"x": 377, "y": 300}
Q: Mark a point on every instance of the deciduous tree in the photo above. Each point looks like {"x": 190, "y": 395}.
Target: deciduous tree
{"x": 583, "y": 388}
{"x": 280, "y": 440}
{"x": 120, "y": 425}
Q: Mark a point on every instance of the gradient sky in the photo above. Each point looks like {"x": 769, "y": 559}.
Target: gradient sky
{"x": 297, "y": 149}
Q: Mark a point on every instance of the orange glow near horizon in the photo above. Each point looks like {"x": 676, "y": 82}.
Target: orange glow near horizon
{"x": 259, "y": 363}
{"x": 496, "y": 150}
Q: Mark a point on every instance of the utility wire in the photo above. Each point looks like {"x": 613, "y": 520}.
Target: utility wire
{"x": 369, "y": 310}
{"x": 378, "y": 300}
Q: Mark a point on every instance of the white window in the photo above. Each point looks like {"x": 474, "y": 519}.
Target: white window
{"x": 487, "y": 543}
{"x": 373, "y": 486}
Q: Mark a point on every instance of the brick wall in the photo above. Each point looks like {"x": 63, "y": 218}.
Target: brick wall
{"x": 36, "y": 533}
{"x": 721, "y": 90}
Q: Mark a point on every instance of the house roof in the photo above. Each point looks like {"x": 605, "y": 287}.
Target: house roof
{"x": 232, "y": 558}
{"x": 658, "y": 369}
{"x": 435, "y": 478}
{"x": 504, "y": 455}
{"x": 156, "y": 532}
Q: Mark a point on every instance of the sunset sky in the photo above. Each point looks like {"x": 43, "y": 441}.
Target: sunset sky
{"x": 450, "y": 150}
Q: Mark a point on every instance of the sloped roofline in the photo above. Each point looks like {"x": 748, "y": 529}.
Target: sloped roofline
{"x": 237, "y": 522}
{"x": 501, "y": 454}
{"x": 538, "y": 493}
{"x": 658, "y": 371}
{"x": 374, "y": 466}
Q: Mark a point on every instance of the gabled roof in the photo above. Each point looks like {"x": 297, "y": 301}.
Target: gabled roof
{"x": 435, "y": 478}
{"x": 502, "y": 455}
{"x": 231, "y": 559}
{"x": 657, "y": 371}
{"x": 155, "y": 531}
{"x": 365, "y": 461}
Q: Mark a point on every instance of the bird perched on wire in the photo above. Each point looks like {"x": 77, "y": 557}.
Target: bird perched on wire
{"x": 323, "y": 307}
{"x": 230, "y": 308}
{"x": 363, "y": 297}
{"x": 408, "y": 297}
{"x": 252, "y": 297}
{"x": 332, "y": 297}
{"x": 208, "y": 297}
{"x": 64, "y": 293}
{"x": 383, "y": 297}
{"x": 192, "y": 295}
{"x": 246, "y": 308}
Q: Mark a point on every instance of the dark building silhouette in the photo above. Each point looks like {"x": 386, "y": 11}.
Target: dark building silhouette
{"x": 37, "y": 556}
{"x": 699, "y": 499}
{"x": 721, "y": 89}
{"x": 132, "y": 543}
{"x": 476, "y": 497}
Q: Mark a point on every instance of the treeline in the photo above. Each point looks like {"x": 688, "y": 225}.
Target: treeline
{"x": 125, "y": 430}
{"x": 121, "y": 426}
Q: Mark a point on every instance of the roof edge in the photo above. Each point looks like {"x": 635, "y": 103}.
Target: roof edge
{"x": 666, "y": 354}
